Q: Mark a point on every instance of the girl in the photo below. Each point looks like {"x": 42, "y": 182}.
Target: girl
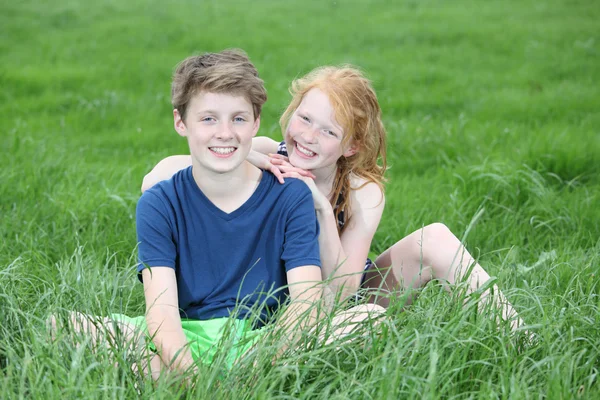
{"x": 333, "y": 141}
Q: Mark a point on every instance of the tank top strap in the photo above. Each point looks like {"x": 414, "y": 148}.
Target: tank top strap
{"x": 282, "y": 149}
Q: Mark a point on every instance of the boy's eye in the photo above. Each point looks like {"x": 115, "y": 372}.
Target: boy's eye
{"x": 239, "y": 119}
{"x": 208, "y": 119}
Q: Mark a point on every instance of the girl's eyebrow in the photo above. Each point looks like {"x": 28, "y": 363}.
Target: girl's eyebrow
{"x": 324, "y": 126}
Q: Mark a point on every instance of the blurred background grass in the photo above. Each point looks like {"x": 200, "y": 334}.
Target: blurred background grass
{"x": 491, "y": 105}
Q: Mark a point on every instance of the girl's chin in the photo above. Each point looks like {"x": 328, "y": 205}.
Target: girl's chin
{"x": 300, "y": 162}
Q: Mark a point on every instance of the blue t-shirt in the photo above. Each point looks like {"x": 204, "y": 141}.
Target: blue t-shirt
{"x": 226, "y": 259}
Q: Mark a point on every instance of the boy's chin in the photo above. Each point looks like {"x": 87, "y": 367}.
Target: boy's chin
{"x": 226, "y": 171}
{"x": 219, "y": 166}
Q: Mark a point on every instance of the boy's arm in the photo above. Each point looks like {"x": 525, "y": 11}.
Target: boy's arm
{"x": 301, "y": 257}
{"x": 157, "y": 254}
{"x": 162, "y": 317}
{"x": 304, "y": 285}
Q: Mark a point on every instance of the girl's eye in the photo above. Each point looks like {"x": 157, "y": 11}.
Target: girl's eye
{"x": 304, "y": 118}
{"x": 331, "y": 133}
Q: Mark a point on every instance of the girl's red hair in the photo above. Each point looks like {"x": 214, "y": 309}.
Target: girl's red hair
{"x": 357, "y": 110}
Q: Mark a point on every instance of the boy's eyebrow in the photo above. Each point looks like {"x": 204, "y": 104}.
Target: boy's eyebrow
{"x": 216, "y": 112}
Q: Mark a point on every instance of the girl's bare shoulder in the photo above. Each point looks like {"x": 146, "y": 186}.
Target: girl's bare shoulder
{"x": 365, "y": 193}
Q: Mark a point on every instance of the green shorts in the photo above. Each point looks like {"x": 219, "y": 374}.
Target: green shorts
{"x": 232, "y": 336}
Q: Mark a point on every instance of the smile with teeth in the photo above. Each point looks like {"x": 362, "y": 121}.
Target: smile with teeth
{"x": 222, "y": 150}
{"x": 304, "y": 150}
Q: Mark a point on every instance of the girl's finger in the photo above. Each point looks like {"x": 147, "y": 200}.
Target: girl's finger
{"x": 275, "y": 161}
{"x": 292, "y": 175}
{"x": 306, "y": 173}
{"x": 302, "y": 172}
{"x": 277, "y": 174}
{"x": 286, "y": 168}
{"x": 299, "y": 171}
{"x": 279, "y": 156}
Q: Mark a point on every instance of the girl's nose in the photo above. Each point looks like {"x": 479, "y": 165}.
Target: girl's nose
{"x": 310, "y": 135}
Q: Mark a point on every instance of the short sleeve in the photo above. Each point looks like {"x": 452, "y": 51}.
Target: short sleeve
{"x": 301, "y": 242}
{"x": 156, "y": 246}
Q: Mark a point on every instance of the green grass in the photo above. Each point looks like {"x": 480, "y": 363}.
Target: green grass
{"x": 489, "y": 105}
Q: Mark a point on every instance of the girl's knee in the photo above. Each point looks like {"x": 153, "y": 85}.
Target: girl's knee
{"x": 437, "y": 232}
{"x": 52, "y": 326}
{"x": 421, "y": 247}
{"x": 369, "y": 309}
{"x": 436, "y": 236}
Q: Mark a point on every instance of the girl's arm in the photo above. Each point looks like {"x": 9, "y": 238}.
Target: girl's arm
{"x": 162, "y": 317}
{"x": 258, "y": 156}
{"x": 344, "y": 257}
{"x": 264, "y": 145}
{"x": 165, "y": 169}
{"x": 264, "y": 156}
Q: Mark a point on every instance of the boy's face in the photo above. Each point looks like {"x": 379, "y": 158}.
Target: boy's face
{"x": 219, "y": 128}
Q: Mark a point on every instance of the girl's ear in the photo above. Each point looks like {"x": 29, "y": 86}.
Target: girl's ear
{"x": 178, "y": 123}
{"x": 351, "y": 151}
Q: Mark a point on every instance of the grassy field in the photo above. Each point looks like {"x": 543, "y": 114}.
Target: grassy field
{"x": 493, "y": 115}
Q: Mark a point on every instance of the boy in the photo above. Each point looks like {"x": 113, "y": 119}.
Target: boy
{"x": 218, "y": 233}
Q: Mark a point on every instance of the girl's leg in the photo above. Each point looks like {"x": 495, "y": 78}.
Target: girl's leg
{"x": 345, "y": 322}
{"x": 432, "y": 252}
{"x": 112, "y": 333}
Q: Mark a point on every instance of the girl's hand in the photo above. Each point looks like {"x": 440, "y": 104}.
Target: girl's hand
{"x": 283, "y": 164}
{"x": 262, "y": 161}
{"x": 276, "y": 164}
{"x": 321, "y": 202}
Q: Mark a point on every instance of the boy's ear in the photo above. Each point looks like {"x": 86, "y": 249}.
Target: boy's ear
{"x": 256, "y": 126}
{"x": 351, "y": 150}
{"x": 178, "y": 123}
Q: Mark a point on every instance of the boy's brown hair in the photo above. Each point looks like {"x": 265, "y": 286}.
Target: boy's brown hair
{"x": 229, "y": 71}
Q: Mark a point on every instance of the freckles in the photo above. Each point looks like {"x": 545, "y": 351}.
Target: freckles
{"x": 294, "y": 126}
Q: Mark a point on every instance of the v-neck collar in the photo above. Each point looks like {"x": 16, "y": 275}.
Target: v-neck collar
{"x": 256, "y": 195}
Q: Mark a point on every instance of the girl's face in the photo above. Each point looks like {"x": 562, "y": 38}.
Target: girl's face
{"x": 313, "y": 136}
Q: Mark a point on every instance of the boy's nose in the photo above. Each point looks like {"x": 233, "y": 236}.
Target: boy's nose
{"x": 226, "y": 132}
